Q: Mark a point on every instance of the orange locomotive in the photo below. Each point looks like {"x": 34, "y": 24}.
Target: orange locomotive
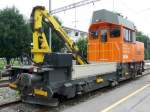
{"x": 112, "y": 39}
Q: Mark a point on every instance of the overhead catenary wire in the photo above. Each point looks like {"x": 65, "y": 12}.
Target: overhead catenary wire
{"x": 73, "y": 5}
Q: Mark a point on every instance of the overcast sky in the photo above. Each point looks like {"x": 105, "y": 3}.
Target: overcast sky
{"x": 137, "y": 11}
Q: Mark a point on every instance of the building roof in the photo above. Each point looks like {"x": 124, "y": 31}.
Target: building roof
{"x": 73, "y": 29}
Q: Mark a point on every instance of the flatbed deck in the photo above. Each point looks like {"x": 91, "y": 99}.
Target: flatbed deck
{"x": 88, "y": 70}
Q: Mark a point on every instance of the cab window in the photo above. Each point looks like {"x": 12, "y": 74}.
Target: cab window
{"x": 104, "y": 35}
{"x": 115, "y": 32}
{"x": 128, "y": 35}
{"x": 94, "y": 34}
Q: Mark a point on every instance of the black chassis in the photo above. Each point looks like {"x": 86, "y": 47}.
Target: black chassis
{"x": 55, "y": 77}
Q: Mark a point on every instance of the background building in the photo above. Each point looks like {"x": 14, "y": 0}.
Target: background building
{"x": 75, "y": 34}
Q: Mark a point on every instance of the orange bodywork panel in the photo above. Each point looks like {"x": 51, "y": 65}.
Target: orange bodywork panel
{"x": 106, "y": 43}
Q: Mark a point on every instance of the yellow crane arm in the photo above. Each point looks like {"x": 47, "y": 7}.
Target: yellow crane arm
{"x": 40, "y": 45}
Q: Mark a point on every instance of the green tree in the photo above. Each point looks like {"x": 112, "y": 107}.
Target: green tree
{"x": 15, "y": 34}
{"x": 146, "y": 40}
{"x": 82, "y": 45}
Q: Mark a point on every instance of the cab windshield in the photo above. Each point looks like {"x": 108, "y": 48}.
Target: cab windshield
{"x": 114, "y": 32}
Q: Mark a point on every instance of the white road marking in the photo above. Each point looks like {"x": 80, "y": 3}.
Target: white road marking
{"x": 108, "y": 109}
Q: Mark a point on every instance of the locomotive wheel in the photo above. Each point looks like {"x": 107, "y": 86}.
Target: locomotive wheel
{"x": 113, "y": 83}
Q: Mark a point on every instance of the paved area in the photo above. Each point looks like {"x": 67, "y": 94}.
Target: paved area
{"x": 132, "y": 96}
{"x": 139, "y": 102}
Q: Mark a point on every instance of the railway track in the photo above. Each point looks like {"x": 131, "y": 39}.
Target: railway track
{"x": 4, "y": 83}
{"x": 4, "y": 105}
{"x": 147, "y": 70}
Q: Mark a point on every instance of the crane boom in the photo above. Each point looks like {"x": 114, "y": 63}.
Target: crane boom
{"x": 40, "y": 45}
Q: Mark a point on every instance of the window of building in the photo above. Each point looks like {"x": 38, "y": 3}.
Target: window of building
{"x": 76, "y": 34}
{"x": 115, "y": 32}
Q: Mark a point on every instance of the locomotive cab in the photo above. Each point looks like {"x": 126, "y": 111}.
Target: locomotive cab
{"x": 112, "y": 39}
{"x": 103, "y": 42}
{"x": 105, "y": 32}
